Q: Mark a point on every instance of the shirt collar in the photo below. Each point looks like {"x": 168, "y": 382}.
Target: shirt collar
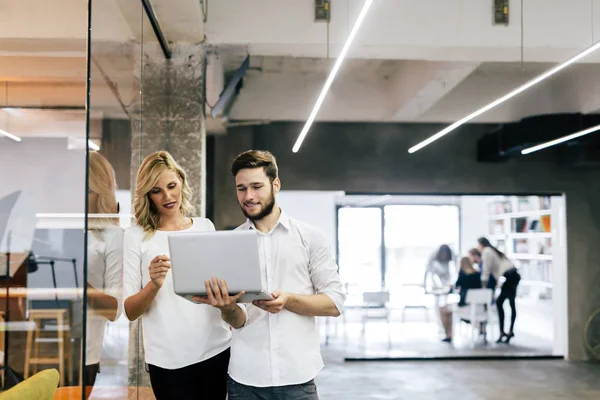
{"x": 284, "y": 220}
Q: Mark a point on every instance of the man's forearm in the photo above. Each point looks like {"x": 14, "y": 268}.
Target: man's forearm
{"x": 315, "y": 305}
{"x": 236, "y": 318}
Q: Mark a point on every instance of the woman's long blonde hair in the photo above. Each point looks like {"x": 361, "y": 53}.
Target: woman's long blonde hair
{"x": 146, "y": 213}
{"x": 467, "y": 266}
{"x": 102, "y": 182}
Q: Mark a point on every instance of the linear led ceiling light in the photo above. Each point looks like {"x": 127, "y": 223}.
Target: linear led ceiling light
{"x": 332, "y": 75}
{"x": 561, "y": 140}
{"x": 93, "y": 145}
{"x": 10, "y": 135}
{"x": 507, "y": 96}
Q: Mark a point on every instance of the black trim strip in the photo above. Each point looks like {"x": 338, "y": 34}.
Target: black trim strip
{"x": 57, "y": 108}
{"x": 88, "y": 108}
{"x": 157, "y": 30}
{"x": 443, "y": 193}
{"x": 481, "y": 357}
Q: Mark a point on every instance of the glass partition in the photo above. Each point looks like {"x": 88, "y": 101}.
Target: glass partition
{"x": 359, "y": 236}
{"x": 43, "y": 143}
{"x": 111, "y": 358}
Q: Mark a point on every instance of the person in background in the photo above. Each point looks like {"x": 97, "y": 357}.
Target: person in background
{"x": 104, "y": 262}
{"x": 186, "y": 344}
{"x": 438, "y": 279}
{"x": 468, "y": 278}
{"x": 475, "y": 257}
{"x": 438, "y": 268}
{"x": 496, "y": 264}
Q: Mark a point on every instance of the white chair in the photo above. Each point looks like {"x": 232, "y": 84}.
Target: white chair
{"x": 479, "y": 309}
{"x": 415, "y": 296}
{"x": 379, "y": 301}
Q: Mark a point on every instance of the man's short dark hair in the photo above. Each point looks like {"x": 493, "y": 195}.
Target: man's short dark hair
{"x": 256, "y": 159}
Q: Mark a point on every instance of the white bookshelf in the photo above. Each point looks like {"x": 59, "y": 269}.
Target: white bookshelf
{"x": 531, "y": 235}
{"x": 527, "y": 256}
{"x": 521, "y": 227}
{"x": 521, "y": 214}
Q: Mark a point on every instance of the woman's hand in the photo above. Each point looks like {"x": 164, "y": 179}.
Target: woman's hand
{"x": 158, "y": 268}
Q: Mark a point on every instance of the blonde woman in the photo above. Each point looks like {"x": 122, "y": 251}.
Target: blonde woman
{"x": 104, "y": 261}
{"x": 186, "y": 345}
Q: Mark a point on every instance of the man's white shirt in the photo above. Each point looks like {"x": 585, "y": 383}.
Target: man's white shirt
{"x": 284, "y": 348}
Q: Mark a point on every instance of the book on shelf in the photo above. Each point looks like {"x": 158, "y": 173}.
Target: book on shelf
{"x": 545, "y": 203}
{"x": 500, "y": 207}
{"x": 545, "y": 223}
{"x": 520, "y": 225}
{"x": 524, "y": 204}
{"x": 529, "y": 224}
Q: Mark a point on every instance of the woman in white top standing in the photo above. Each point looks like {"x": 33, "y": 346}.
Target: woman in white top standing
{"x": 104, "y": 261}
{"x": 496, "y": 264}
{"x": 186, "y": 344}
{"x": 438, "y": 267}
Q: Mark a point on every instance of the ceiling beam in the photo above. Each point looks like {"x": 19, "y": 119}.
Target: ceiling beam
{"x": 416, "y": 86}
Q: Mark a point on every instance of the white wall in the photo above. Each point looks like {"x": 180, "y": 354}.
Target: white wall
{"x": 45, "y": 168}
{"x": 559, "y": 275}
{"x": 317, "y": 208}
{"x": 473, "y": 221}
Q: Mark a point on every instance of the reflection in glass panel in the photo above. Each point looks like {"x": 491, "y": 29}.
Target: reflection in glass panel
{"x": 115, "y": 46}
{"x": 42, "y": 191}
{"x": 104, "y": 270}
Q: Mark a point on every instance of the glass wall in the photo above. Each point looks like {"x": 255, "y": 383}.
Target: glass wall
{"x": 124, "y": 57}
{"x": 43, "y": 142}
{"x": 65, "y": 197}
{"x": 413, "y": 234}
{"x": 420, "y": 292}
{"x": 359, "y": 238}
{"x": 114, "y": 96}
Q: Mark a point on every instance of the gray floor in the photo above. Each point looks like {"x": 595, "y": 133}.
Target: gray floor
{"x": 416, "y": 380}
{"x": 439, "y": 380}
{"x": 417, "y": 334}
{"x": 457, "y": 380}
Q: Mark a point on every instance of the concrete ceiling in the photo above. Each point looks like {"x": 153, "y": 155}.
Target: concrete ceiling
{"x": 400, "y": 69}
{"x": 43, "y": 59}
{"x": 285, "y": 88}
{"x": 412, "y": 60}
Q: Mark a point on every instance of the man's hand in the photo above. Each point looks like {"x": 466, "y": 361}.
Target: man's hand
{"x": 274, "y": 306}
{"x": 218, "y": 296}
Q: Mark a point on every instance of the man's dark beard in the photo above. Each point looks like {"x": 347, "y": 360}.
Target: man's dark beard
{"x": 267, "y": 210}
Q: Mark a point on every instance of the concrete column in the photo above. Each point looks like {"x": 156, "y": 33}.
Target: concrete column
{"x": 169, "y": 116}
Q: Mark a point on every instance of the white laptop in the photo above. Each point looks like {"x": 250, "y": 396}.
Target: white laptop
{"x": 230, "y": 255}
